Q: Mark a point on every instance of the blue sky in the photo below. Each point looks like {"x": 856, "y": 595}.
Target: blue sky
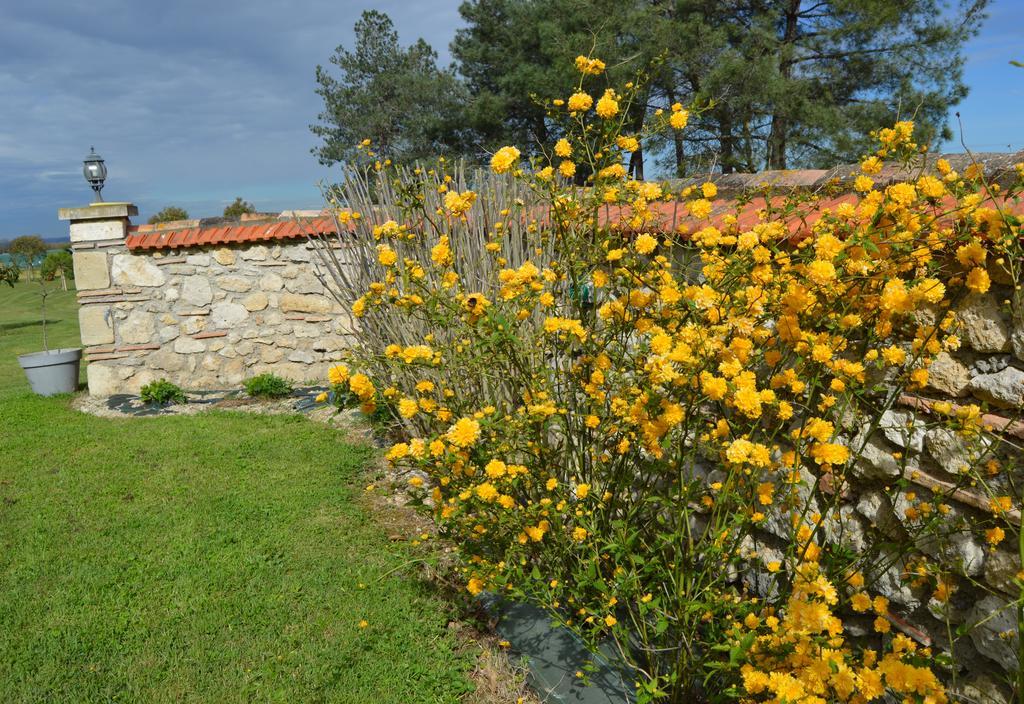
{"x": 194, "y": 102}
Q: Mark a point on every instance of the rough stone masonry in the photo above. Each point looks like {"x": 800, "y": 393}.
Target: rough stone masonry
{"x": 205, "y": 316}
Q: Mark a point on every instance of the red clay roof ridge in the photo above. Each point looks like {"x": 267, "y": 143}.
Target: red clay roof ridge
{"x": 998, "y": 168}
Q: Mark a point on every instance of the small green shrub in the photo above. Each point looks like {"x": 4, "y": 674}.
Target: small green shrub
{"x": 162, "y": 392}
{"x": 268, "y": 386}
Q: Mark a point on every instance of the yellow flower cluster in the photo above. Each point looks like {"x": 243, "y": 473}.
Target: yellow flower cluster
{"x": 611, "y": 408}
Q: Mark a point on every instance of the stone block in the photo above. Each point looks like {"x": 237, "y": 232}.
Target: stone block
{"x": 98, "y": 230}
{"x": 1004, "y": 389}
{"x": 103, "y": 379}
{"x": 292, "y": 302}
{"x": 301, "y": 356}
{"x": 255, "y": 301}
{"x": 257, "y": 253}
{"x": 228, "y": 315}
{"x": 953, "y": 452}
{"x": 270, "y": 355}
{"x": 133, "y": 270}
{"x": 903, "y": 429}
{"x": 235, "y": 284}
{"x": 271, "y": 282}
{"x": 193, "y": 325}
{"x": 224, "y": 256}
{"x": 168, "y": 333}
{"x": 196, "y": 290}
{"x": 233, "y": 372}
{"x": 94, "y": 323}
{"x": 948, "y": 376}
{"x": 166, "y": 360}
{"x": 305, "y": 283}
{"x": 188, "y": 345}
{"x": 138, "y": 328}
{"x": 91, "y": 270}
{"x": 983, "y": 326}
{"x": 995, "y": 631}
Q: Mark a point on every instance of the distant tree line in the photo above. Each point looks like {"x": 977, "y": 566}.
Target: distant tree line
{"x": 41, "y": 259}
{"x": 173, "y": 213}
{"x": 784, "y": 83}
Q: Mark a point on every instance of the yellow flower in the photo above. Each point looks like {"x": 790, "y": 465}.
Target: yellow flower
{"x": 830, "y": 453}
{"x": 441, "y": 253}
{"x": 971, "y": 254}
{"x": 610, "y": 620}
{"x": 386, "y": 255}
{"x": 459, "y": 203}
{"x": 994, "y": 536}
{"x": 860, "y": 602}
{"x": 679, "y": 119}
{"x": 821, "y": 272}
{"x": 337, "y": 374}
{"x": 475, "y": 586}
{"x": 579, "y": 102}
{"x": 863, "y": 184}
{"x": 607, "y": 105}
{"x": 871, "y": 165}
{"x": 588, "y": 66}
{"x": 487, "y": 492}
{"x": 579, "y": 534}
{"x": 321, "y": 397}
{"x": 361, "y": 386}
{"x": 977, "y": 280}
{"x": 364, "y": 623}
{"x": 567, "y": 168}
{"x": 563, "y": 148}
{"x": 709, "y": 190}
{"x": 504, "y": 159}
{"x": 408, "y": 407}
{"x": 536, "y": 533}
{"x": 645, "y": 244}
{"x": 627, "y": 144}
{"x": 463, "y": 433}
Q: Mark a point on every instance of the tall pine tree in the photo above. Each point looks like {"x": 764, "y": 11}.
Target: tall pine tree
{"x": 397, "y": 97}
{"x": 790, "y": 82}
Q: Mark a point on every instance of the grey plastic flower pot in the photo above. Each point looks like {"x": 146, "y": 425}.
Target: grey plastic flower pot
{"x": 53, "y": 372}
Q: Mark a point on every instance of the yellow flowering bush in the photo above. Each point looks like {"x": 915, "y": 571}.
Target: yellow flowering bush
{"x": 646, "y": 420}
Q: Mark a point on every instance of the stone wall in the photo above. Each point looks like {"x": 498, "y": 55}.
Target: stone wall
{"x": 202, "y": 317}
{"x": 907, "y": 460}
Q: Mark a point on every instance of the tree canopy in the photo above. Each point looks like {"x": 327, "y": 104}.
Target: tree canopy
{"x": 238, "y": 208}
{"x": 26, "y": 250}
{"x": 777, "y": 83}
{"x": 169, "y": 214}
{"x": 396, "y": 97}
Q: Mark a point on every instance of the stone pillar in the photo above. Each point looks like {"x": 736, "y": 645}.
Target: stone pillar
{"x": 97, "y": 235}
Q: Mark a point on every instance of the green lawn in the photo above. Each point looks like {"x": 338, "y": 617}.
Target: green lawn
{"x": 210, "y": 558}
